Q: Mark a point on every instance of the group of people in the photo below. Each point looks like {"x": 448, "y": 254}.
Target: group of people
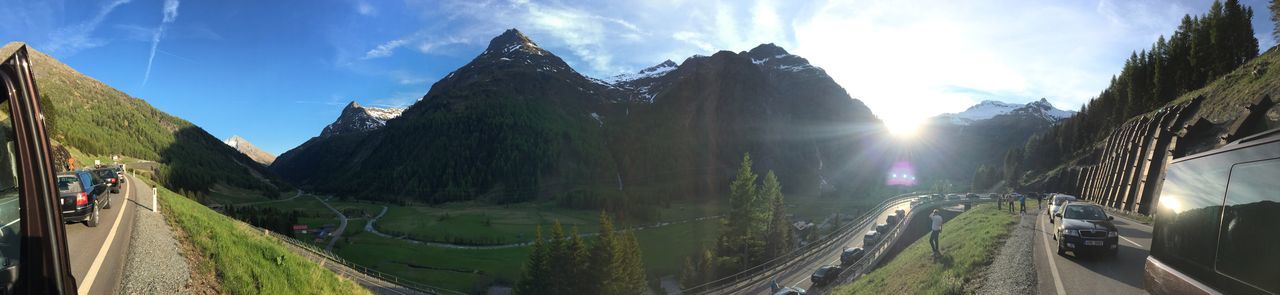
{"x": 936, "y": 226}
{"x": 1020, "y": 198}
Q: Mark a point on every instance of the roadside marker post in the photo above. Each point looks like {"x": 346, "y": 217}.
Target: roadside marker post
{"x": 155, "y": 207}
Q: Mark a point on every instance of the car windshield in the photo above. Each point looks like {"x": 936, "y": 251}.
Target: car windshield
{"x": 68, "y": 184}
{"x": 1084, "y": 213}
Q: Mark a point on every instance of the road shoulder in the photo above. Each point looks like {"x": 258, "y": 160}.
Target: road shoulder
{"x": 1008, "y": 273}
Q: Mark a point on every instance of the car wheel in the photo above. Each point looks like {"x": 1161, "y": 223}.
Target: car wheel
{"x": 107, "y": 204}
{"x": 93, "y": 218}
{"x": 1061, "y": 251}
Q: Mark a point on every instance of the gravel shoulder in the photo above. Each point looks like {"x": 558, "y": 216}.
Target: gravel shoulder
{"x": 1013, "y": 271}
{"x": 155, "y": 264}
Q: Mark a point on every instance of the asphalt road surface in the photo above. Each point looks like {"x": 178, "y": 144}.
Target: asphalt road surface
{"x": 98, "y": 253}
{"x": 1067, "y": 274}
{"x": 798, "y": 275}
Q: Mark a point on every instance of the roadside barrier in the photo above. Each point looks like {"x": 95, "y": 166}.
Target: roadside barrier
{"x": 762, "y": 273}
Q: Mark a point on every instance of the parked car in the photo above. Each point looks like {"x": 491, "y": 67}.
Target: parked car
{"x": 825, "y": 275}
{"x": 1085, "y": 228}
{"x": 851, "y": 255}
{"x": 1215, "y": 222}
{"x": 882, "y": 228}
{"x": 954, "y": 197}
{"x": 870, "y": 238}
{"x": 891, "y": 219}
{"x": 110, "y": 177}
{"x": 971, "y": 196}
{"x": 1058, "y": 201}
{"x": 82, "y": 196}
{"x": 900, "y": 213}
{"x": 776, "y": 289}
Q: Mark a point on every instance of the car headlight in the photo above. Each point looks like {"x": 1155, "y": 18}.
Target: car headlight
{"x": 1071, "y": 232}
{"x": 1113, "y": 234}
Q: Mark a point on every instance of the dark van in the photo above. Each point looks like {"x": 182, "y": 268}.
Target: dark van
{"x": 1216, "y": 222}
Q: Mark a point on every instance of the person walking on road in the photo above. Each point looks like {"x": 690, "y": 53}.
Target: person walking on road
{"x": 937, "y": 229}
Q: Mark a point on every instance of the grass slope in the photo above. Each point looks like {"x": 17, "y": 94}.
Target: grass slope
{"x": 968, "y": 244}
{"x": 246, "y": 261}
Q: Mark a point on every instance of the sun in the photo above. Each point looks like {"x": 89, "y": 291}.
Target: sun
{"x": 904, "y": 127}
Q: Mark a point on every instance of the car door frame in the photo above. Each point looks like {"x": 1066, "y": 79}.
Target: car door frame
{"x": 44, "y": 266}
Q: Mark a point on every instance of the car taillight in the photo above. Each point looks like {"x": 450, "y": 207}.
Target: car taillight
{"x": 81, "y": 199}
{"x": 113, "y": 180}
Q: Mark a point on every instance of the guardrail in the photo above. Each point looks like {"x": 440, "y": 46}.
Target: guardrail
{"x": 757, "y": 275}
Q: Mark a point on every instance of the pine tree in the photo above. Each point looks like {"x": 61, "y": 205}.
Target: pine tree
{"x": 778, "y": 240}
{"x": 558, "y": 259}
{"x": 579, "y": 266}
{"x": 536, "y": 271}
{"x": 603, "y": 256}
{"x": 735, "y": 242}
{"x": 631, "y": 267}
{"x": 1275, "y": 19}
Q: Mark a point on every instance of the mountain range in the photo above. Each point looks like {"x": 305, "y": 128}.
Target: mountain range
{"x": 248, "y": 149}
{"x": 518, "y": 123}
{"x": 988, "y": 109}
{"x": 955, "y": 144}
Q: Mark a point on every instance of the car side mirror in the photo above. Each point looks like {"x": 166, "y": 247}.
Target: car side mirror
{"x": 1111, "y": 218}
{"x": 1059, "y": 215}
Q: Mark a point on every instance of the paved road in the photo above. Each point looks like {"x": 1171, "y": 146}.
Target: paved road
{"x": 342, "y": 223}
{"x": 98, "y": 253}
{"x": 1092, "y": 275}
{"x": 798, "y": 275}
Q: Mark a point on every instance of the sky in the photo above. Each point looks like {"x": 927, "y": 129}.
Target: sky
{"x": 277, "y": 72}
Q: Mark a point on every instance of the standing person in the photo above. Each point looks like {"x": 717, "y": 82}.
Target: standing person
{"x": 1022, "y": 206}
{"x": 1009, "y": 198}
{"x": 937, "y": 229}
{"x": 1000, "y": 203}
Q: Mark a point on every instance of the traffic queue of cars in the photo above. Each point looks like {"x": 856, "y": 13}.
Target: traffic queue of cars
{"x": 83, "y": 194}
{"x": 827, "y": 274}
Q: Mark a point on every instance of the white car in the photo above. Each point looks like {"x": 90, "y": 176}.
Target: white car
{"x": 1058, "y": 201}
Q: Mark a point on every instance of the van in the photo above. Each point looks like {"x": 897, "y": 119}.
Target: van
{"x": 1216, "y": 222}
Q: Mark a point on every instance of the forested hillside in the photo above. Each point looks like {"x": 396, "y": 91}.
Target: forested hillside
{"x": 96, "y": 119}
{"x": 1203, "y": 49}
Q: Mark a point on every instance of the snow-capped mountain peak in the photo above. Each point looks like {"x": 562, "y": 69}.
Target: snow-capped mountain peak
{"x": 988, "y": 109}
{"x": 356, "y": 118}
{"x": 649, "y": 72}
{"x": 248, "y": 149}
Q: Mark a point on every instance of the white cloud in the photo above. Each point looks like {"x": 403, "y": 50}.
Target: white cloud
{"x": 71, "y": 39}
{"x": 170, "y": 14}
{"x": 365, "y": 9}
{"x": 385, "y": 49}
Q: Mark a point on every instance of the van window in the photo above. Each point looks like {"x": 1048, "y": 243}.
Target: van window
{"x": 1249, "y": 235}
{"x": 10, "y": 225}
{"x": 1188, "y": 212}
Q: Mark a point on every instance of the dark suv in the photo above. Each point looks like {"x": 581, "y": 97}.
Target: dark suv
{"x": 825, "y": 275}
{"x": 111, "y": 177}
{"x": 1216, "y": 222}
{"x": 1084, "y": 227}
{"x": 82, "y": 195}
{"x": 851, "y": 255}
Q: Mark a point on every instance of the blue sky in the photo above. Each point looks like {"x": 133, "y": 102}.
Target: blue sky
{"x": 276, "y": 72}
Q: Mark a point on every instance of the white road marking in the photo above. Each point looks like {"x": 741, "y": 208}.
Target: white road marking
{"x": 1131, "y": 241}
{"x": 12, "y": 222}
{"x": 102, "y": 253}
{"x": 1053, "y": 267}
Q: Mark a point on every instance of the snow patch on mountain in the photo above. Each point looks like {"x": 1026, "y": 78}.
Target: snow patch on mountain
{"x": 988, "y": 109}
{"x": 651, "y": 72}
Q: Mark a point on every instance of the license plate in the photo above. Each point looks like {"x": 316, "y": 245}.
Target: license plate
{"x": 1093, "y": 243}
